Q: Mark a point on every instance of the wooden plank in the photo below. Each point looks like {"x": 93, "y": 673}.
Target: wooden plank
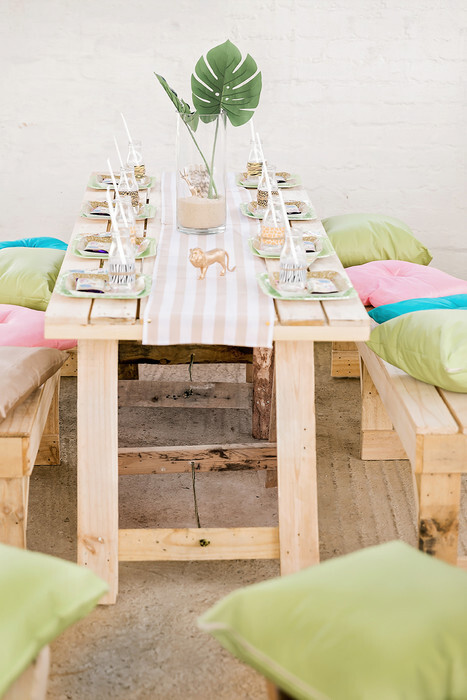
{"x": 439, "y": 503}
{"x": 345, "y": 363}
{"x": 32, "y": 683}
{"x": 457, "y": 405}
{"x": 129, "y": 351}
{"x": 445, "y": 453}
{"x": 296, "y": 456}
{"x": 98, "y": 461}
{"x": 177, "y": 459}
{"x": 50, "y": 389}
{"x": 414, "y": 408}
{"x": 207, "y": 544}
{"x": 263, "y": 373}
{"x": 323, "y": 334}
{"x": 381, "y": 445}
{"x": 13, "y": 510}
{"x": 374, "y": 414}
{"x": 155, "y": 394}
{"x": 70, "y": 368}
{"x": 12, "y": 456}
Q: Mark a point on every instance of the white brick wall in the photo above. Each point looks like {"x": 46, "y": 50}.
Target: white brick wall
{"x": 363, "y": 97}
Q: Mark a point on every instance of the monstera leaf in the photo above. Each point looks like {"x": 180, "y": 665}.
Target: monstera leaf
{"x": 224, "y": 82}
{"x": 182, "y": 107}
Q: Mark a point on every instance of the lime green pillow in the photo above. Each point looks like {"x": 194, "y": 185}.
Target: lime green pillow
{"x": 27, "y": 276}
{"x": 40, "y": 596}
{"x": 362, "y": 238}
{"x": 383, "y": 623}
{"x": 430, "y": 345}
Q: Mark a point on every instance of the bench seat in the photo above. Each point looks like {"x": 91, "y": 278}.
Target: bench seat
{"x": 404, "y": 418}
{"x": 29, "y": 436}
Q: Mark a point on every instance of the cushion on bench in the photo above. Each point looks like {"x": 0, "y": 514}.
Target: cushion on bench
{"x": 25, "y": 328}
{"x": 429, "y": 345}
{"x": 40, "y": 596}
{"x": 36, "y": 242}
{"x": 28, "y": 275}
{"x": 388, "y": 311}
{"x": 390, "y": 281}
{"x": 22, "y": 370}
{"x": 383, "y": 622}
{"x": 361, "y": 238}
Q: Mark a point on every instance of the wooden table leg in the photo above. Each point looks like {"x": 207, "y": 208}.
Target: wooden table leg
{"x": 296, "y": 455}
{"x": 98, "y": 460}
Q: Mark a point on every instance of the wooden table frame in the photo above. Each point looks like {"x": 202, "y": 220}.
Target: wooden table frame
{"x": 99, "y": 325}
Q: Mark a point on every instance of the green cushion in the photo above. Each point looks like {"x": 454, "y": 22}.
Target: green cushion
{"x": 27, "y": 276}
{"x": 40, "y": 596}
{"x": 429, "y": 345}
{"x": 362, "y": 238}
{"x": 383, "y": 623}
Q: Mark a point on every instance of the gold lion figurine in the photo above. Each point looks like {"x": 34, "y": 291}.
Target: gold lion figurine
{"x": 202, "y": 260}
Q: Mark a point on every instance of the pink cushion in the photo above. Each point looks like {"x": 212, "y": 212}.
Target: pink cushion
{"x": 389, "y": 281}
{"x": 23, "y": 327}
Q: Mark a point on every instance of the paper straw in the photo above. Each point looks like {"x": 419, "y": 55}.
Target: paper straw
{"x": 252, "y": 130}
{"x": 115, "y": 226}
{"x": 117, "y": 193}
{"x": 268, "y": 181}
{"x": 288, "y": 228}
{"x": 121, "y": 163}
{"x": 126, "y": 128}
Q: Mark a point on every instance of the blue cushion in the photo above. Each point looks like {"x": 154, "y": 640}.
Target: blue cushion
{"x": 387, "y": 311}
{"x": 38, "y": 242}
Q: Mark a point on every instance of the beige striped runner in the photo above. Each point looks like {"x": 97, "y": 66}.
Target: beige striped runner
{"x": 228, "y": 310}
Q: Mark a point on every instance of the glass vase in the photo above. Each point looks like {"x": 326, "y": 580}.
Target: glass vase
{"x": 201, "y": 174}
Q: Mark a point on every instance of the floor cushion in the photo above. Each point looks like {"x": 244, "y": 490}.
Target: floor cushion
{"x": 389, "y": 281}
{"x": 28, "y": 275}
{"x": 40, "y": 596}
{"x": 361, "y": 238}
{"x": 429, "y": 345}
{"x": 22, "y": 370}
{"x": 384, "y": 623}
{"x": 36, "y": 242}
{"x": 388, "y": 311}
{"x": 24, "y": 327}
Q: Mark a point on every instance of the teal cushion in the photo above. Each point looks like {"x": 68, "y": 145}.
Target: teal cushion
{"x": 36, "y": 242}
{"x": 362, "y": 238}
{"x": 388, "y": 311}
{"x": 28, "y": 275}
{"x": 40, "y": 596}
{"x": 383, "y": 623}
{"x": 429, "y": 345}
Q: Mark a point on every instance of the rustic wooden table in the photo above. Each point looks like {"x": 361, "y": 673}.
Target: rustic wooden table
{"x": 99, "y": 325}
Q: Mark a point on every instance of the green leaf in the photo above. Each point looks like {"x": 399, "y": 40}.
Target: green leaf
{"x": 224, "y": 82}
{"x": 182, "y": 107}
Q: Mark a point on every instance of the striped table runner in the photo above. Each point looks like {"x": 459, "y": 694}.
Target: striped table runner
{"x": 228, "y": 310}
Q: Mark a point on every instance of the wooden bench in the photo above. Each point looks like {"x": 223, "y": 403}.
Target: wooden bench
{"x": 403, "y": 418}
{"x": 29, "y": 435}
{"x": 32, "y": 684}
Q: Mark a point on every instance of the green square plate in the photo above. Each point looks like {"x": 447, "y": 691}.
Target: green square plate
{"x": 96, "y": 182}
{"x": 67, "y": 281}
{"x": 147, "y": 211}
{"x": 293, "y": 180}
{"x": 326, "y": 249}
{"x": 307, "y": 211}
{"x": 146, "y": 247}
{"x": 346, "y": 291}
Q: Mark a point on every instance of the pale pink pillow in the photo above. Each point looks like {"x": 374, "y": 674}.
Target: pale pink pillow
{"x": 389, "y": 281}
{"x": 23, "y": 327}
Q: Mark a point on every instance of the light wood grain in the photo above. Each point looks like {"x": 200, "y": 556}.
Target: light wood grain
{"x": 457, "y": 405}
{"x": 97, "y": 461}
{"x": 439, "y": 503}
{"x": 263, "y": 372}
{"x": 296, "y": 456}
{"x": 187, "y": 544}
{"x": 32, "y": 683}
{"x": 13, "y": 509}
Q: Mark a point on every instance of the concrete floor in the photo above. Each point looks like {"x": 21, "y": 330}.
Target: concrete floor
{"x": 147, "y": 646}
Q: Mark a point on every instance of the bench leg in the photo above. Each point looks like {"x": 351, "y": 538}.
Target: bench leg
{"x": 49, "y": 449}
{"x": 32, "y": 684}
{"x": 438, "y": 522}
{"x": 344, "y": 360}
{"x": 379, "y": 440}
{"x": 13, "y": 511}
{"x": 263, "y": 372}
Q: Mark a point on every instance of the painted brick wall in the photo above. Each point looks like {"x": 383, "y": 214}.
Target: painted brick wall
{"x": 363, "y": 97}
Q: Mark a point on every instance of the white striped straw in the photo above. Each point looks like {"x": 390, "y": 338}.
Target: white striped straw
{"x": 121, "y": 163}
{"x": 115, "y": 226}
{"x": 117, "y": 193}
{"x": 268, "y": 181}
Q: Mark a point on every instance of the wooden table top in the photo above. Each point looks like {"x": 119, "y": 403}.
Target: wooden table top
{"x": 112, "y": 319}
